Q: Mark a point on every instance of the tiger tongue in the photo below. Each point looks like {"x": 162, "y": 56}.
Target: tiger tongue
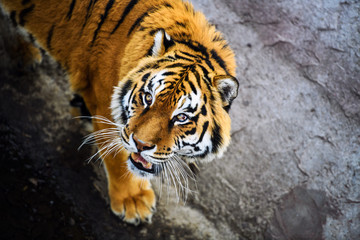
{"x": 139, "y": 159}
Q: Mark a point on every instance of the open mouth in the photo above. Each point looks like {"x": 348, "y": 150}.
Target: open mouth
{"x": 141, "y": 163}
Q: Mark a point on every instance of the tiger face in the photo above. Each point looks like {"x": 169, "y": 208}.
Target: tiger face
{"x": 172, "y": 107}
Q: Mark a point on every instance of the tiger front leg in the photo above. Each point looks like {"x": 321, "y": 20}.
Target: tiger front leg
{"x": 132, "y": 198}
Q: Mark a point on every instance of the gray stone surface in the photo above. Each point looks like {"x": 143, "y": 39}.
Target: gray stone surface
{"x": 292, "y": 170}
{"x": 296, "y": 120}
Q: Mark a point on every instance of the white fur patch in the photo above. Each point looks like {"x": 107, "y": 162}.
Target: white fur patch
{"x": 158, "y": 40}
{"x": 158, "y": 84}
{"x": 115, "y": 104}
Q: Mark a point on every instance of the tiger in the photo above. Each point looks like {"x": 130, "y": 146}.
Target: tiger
{"x": 156, "y": 76}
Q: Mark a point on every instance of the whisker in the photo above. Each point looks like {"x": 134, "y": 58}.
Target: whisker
{"x": 171, "y": 173}
{"x": 167, "y": 180}
{"x": 186, "y": 168}
{"x": 107, "y": 140}
{"x": 187, "y": 175}
{"x": 181, "y": 178}
{"x": 182, "y": 181}
{"x": 175, "y": 172}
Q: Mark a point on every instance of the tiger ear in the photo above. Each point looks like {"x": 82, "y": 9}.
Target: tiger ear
{"x": 228, "y": 88}
{"x": 162, "y": 41}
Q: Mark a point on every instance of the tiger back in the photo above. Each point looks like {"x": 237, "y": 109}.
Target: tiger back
{"x": 156, "y": 76}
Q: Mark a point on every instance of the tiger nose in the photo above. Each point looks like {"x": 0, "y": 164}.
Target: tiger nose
{"x": 142, "y": 146}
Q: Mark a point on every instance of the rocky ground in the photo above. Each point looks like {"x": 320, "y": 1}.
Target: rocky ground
{"x": 291, "y": 172}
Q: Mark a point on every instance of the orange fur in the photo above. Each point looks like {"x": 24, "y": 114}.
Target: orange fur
{"x": 98, "y": 55}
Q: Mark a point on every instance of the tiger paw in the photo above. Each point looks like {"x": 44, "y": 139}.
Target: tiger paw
{"x": 136, "y": 207}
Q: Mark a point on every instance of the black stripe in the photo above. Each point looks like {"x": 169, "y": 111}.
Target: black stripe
{"x": 168, "y": 59}
{"x": 91, "y": 3}
{"x": 13, "y": 18}
{"x": 212, "y": 98}
{"x": 171, "y": 125}
{"x": 24, "y": 2}
{"x": 175, "y": 65}
{"x": 69, "y": 14}
{"x": 145, "y": 77}
{"x": 203, "y": 110}
{"x": 216, "y": 138}
{"x": 139, "y": 20}
{"x": 183, "y": 35}
{"x": 181, "y": 24}
{"x": 103, "y": 17}
{"x": 149, "y": 52}
{"x": 218, "y": 38}
{"x": 219, "y": 60}
{"x": 23, "y": 14}
{"x": 206, "y": 125}
{"x": 197, "y": 76}
{"x": 88, "y": 13}
{"x": 188, "y": 54}
{"x": 205, "y": 77}
{"x": 209, "y": 64}
{"x": 195, "y": 118}
{"x": 212, "y": 109}
{"x": 49, "y": 37}
{"x": 192, "y": 87}
{"x": 169, "y": 73}
{"x": 197, "y": 47}
{"x": 206, "y": 72}
{"x": 190, "y": 110}
{"x": 127, "y": 10}
{"x": 124, "y": 115}
{"x": 204, "y": 154}
{"x": 191, "y": 132}
{"x": 183, "y": 58}
{"x": 125, "y": 89}
{"x": 132, "y": 91}
{"x": 152, "y": 32}
{"x": 146, "y": 109}
{"x": 150, "y": 85}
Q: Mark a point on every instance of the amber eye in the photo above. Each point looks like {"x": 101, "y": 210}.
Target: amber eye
{"x": 181, "y": 117}
{"x": 148, "y": 98}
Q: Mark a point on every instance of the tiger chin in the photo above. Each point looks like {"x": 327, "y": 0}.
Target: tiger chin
{"x": 156, "y": 76}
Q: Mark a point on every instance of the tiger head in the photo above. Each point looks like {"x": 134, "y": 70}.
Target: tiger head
{"x": 173, "y": 107}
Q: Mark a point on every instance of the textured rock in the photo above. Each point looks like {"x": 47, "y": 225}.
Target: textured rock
{"x": 296, "y": 121}
{"x": 294, "y": 161}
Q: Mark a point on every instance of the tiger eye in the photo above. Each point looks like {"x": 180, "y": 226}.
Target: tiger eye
{"x": 181, "y": 117}
{"x": 148, "y": 98}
